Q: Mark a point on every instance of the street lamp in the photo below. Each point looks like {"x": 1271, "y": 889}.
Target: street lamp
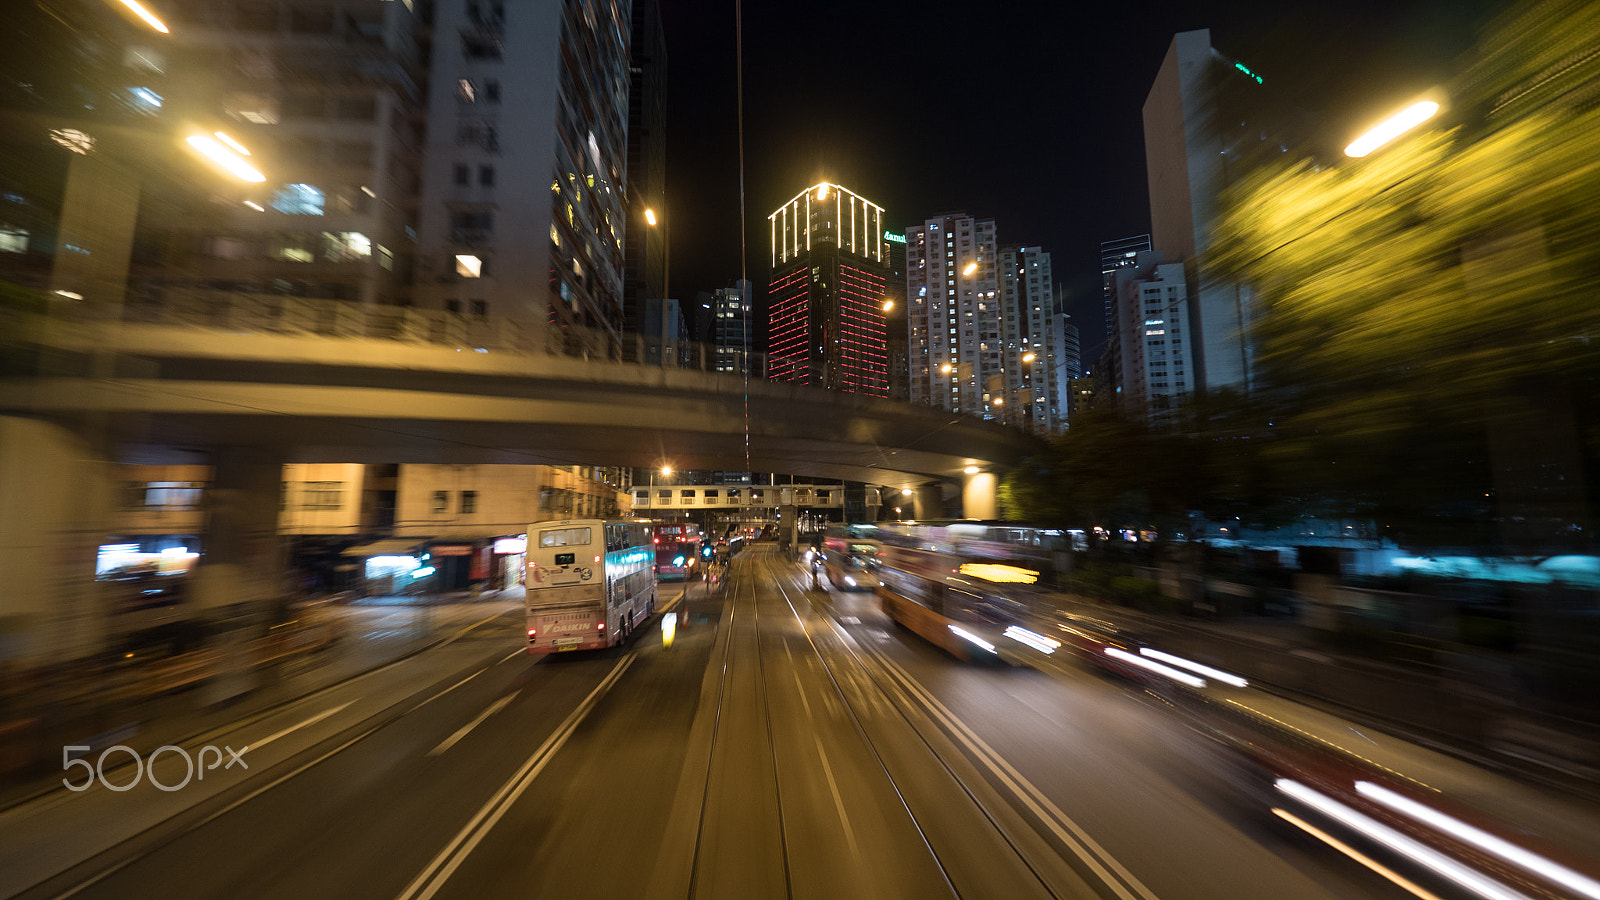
{"x": 665, "y": 471}
{"x": 1392, "y": 127}
{"x": 666, "y": 272}
{"x": 146, "y": 15}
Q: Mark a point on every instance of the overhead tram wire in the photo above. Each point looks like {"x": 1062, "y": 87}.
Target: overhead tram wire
{"x": 744, "y": 274}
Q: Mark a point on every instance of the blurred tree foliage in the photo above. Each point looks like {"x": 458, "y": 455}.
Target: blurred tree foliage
{"x": 1423, "y": 312}
{"x": 1426, "y": 321}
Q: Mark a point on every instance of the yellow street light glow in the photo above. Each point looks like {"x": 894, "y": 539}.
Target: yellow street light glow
{"x": 971, "y": 470}
{"x": 888, "y": 305}
{"x": 234, "y": 145}
{"x": 944, "y": 369}
{"x": 822, "y": 192}
{"x": 1392, "y": 127}
{"x": 650, "y": 216}
{"x": 144, "y": 14}
{"x": 219, "y": 154}
{"x": 905, "y": 492}
{"x": 971, "y": 267}
{"x": 666, "y": 470}
{"x": 1027, "y": 357}
{"x": 999, "y": 401}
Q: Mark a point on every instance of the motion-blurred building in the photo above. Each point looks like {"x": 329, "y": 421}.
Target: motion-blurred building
{"x": 825, "y": 302}
{"x": 523, "y": 206}
{"x": 1204, "y": 116}
{"x": 645, "y": 245}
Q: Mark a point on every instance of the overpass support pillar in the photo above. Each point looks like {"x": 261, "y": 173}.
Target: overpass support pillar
{"x": 930, "y": 502}
{"x": 978, "y": 496}
{"x": 241, "y": 576}
{"x": 788, "y": 527}
{"x": 56, "y": 514}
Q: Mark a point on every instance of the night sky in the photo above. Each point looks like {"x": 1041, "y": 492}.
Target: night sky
{"x": 1029, "y": 112}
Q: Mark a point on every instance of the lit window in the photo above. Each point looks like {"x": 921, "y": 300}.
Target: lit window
{"x": 298, "y": 200}
{"x": 13, "y": 240}
{"x": 466, "y": 92}
{"x": 468, "y": 266}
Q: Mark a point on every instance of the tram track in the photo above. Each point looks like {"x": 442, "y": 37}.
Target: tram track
{"x": 903, "y": 693}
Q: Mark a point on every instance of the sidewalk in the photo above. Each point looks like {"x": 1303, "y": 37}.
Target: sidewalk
{"x": 167, "y": 701}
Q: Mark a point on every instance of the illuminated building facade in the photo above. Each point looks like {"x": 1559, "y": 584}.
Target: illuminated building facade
{"x": 953, "y": 313}
{"x": 1158, "y": 350}
{"x": 1028, "y": 348}
{"x": 825, "y": 302}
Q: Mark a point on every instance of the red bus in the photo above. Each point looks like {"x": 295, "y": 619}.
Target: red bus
{"x": 677, "y": 551}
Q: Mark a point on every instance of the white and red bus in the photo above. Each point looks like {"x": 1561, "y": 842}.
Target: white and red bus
{"x": 590, "y": 583}
{"x": 677, "y": 551}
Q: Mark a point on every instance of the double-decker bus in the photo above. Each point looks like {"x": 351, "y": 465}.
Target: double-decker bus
{"x": 590, "y": 583}
{"x": 850, "y": 556}
{"x": 677, "y": 551}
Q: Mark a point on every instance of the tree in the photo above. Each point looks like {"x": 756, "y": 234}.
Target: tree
{"x": 1426, "y": 315}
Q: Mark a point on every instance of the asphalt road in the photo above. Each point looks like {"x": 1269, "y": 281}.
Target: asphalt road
{"x": 790, "y": 743}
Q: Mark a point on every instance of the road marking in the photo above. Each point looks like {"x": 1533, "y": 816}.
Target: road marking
{"x": 1103, "y": 864}
{"x": 293, "y": 728}
{"x": 512, "y": 655}
{"x": 494, "y": 707}
{"x": 438, "y": 871}
{"x": 448, "y": 690}
{"x": 451, "y": 639}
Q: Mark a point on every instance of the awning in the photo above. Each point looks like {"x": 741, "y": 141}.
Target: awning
{"x": 395, "y": 547}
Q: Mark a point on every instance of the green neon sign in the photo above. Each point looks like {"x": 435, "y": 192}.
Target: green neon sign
{"x": 1241, "y": 67}
{"x": 897, "y": 238}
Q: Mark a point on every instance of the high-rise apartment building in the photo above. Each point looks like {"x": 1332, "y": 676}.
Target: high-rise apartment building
{"x": 953, "y": 313}
{"x": 1114, "y": 255}
{"x": 894, "y": 293}
{"x": 1158, "y": 354}
{"x": 1028, "y": 350}
{"x": 825, "y": 301}
{"x": 730, "y": 327}
{"x": 523, "y": 192}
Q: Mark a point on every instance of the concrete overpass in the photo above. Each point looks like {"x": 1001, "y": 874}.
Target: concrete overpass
{"x": 75, "y": 396}
{"x": 168, "y": 390}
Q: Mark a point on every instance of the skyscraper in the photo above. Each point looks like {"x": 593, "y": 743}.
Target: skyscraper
{"x": 826, "y": 325}
{"x": 1158, "y": 350}
{"x": 1114, "y": 254}
{"x": 1069, "y": 366}
{"x": 895, "y": 293}
{"x": 730, "y": 327}
{"x": 953, "y": 312}
{"x": 1028, "y": 352}
{"x": 1204, "y": 115}
{"x": 523, "y": 207}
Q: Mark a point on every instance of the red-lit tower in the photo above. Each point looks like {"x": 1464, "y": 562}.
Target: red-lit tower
{"x": 829, "y": 277}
